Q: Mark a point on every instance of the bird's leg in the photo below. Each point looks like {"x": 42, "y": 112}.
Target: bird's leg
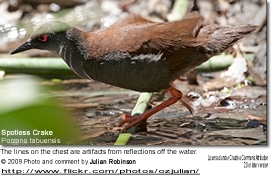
{"x": 185, "y": 101}
{"x": 132, "y": 121}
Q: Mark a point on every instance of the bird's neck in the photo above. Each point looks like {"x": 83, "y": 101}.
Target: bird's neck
{"x": 69, "y": 50}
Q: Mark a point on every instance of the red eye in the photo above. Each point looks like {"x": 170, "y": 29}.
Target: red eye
{"x": 43, "y": 38}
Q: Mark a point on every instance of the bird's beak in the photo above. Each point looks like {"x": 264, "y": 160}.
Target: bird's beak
{"x": 25, "y": 46}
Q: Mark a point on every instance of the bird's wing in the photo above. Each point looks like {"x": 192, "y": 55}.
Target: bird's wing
{"x": 138, "y": 35}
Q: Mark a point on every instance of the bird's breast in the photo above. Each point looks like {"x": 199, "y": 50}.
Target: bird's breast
{"x": 143, "y": 72}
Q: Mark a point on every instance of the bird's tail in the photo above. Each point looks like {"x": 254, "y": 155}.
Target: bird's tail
{"x": 215, "y": 39}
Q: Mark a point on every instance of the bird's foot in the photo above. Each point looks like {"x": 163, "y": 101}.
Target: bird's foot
{"x": 130, "y": 121}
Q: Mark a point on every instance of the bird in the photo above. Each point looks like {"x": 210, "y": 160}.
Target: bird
{"x": 138, "y": 54}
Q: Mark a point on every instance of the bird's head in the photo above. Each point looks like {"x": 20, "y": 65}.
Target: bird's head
{"x": 47, "y": 37}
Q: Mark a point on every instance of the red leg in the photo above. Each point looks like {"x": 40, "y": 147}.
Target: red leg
{"x": 132, "y": 121}
{"x": 185, "y": 101}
